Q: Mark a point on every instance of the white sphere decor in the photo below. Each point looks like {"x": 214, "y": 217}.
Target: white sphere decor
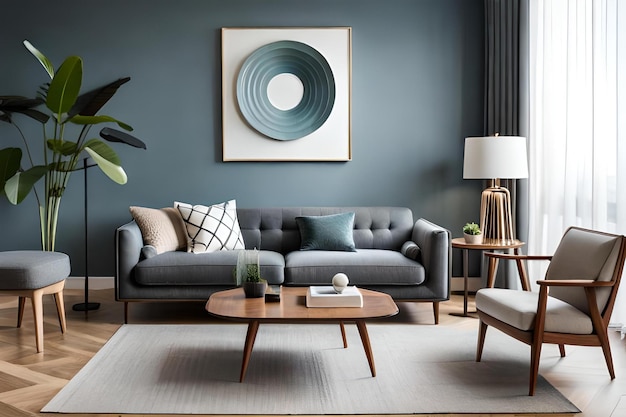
{"x": 340, "y": 282}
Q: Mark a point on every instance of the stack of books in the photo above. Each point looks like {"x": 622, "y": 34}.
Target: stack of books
{"x": 272, "y": 293}
{"x": 326, "y": 296}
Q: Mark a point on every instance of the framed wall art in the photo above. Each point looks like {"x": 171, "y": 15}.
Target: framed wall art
{"x": 286, "y": 94}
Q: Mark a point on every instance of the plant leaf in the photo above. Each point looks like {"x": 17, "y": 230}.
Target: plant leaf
{"x": 65, "y": 85}
{"x": 64, "y": 147}
{"x": 45, "y": 62}
{"x": 89, "y": 103}
{"x": 23, "y": 105}
{"x": 19, "y": 185}
{"x": 10, "y": 159}
{"x": 107, "y": 160}
{"x": 113, "y": 135}
{"x": 92, "y": 120}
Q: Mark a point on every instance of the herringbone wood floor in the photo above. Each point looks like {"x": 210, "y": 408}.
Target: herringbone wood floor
{"x": 29, "y": 380}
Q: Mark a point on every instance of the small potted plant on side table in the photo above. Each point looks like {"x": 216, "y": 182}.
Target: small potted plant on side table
{"x": 248, "y": 274}
{"x": 472, "y": 233}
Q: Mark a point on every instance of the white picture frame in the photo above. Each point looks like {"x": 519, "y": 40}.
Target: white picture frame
{"x": 332, "y": 141}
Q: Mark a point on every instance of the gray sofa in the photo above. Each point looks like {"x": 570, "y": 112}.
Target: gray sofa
{"x": 407, "y": 259}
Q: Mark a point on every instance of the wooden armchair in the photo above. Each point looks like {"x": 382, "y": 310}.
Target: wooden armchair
{"x": 574, "y": 302}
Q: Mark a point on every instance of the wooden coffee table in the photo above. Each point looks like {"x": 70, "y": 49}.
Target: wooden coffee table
{"x": 233, "y": 305}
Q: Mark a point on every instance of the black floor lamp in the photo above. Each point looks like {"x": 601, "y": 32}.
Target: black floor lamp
{"x": 111, "y": 135}
{"x": 86, "y": 306}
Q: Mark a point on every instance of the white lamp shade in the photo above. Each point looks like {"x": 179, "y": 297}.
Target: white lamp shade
{"x": 495, "y": 157}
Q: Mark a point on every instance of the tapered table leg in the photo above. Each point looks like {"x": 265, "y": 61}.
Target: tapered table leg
{"x": 343, "y": 334}
{"x": 365, "y": 339}
{"x": 253, "y": 327}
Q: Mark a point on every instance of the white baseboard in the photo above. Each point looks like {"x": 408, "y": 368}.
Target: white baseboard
{"x": 473, "y": 284}
{"x": 95, "y": 283}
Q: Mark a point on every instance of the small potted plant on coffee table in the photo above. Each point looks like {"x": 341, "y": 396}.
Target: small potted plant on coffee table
{"x": 248, "y": 274}
{"x": 254, "y": 285}
{"x": 472, "y": 233}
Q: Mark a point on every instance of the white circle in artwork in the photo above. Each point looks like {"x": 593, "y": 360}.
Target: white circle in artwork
{"x": 285, "y": 91}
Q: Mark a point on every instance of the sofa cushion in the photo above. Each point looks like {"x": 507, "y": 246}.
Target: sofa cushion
{"x": 332, "y": 232}
{"x": 363, "y": 267}
{"x": 161, "y": 228}
{"x": 211, "y": 228}
{"x": 216, "y": 268}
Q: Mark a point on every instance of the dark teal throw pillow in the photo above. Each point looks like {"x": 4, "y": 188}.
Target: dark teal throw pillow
{"x": 332, "y": 232}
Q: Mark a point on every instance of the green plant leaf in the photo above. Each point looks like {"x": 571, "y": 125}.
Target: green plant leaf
{"x": 63, "y": 147}
{"x": 94, "y": 120}
{"x": 10, "y": 159}
{"x": 45, "y": 62}
{"x": 113, "y": 135}
{"x": 19, "y": 185}
{"x": 89, "y": 103}
{"x": 65, "y": 85}
{"x": 107, "y": 160}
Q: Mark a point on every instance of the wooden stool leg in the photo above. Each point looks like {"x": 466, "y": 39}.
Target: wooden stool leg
{"x": 37, "y": 301}
{"x": 58, "y": 298}
{"x": 20, "y": 310}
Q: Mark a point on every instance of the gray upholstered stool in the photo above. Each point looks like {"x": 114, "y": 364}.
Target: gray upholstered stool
{"x": 31, "y": 274}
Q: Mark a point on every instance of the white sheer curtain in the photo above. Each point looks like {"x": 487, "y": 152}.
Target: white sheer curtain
{"x": 577, "y": 122}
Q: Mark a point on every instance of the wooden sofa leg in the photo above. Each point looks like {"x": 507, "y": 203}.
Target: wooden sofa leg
{"x": 125, "y": 312}
{"x": 436, "y": 311}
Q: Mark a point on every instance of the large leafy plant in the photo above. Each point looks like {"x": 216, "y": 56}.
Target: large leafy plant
{"x": 66, "y": 122}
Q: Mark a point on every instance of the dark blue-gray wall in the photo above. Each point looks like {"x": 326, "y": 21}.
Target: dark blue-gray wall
{"x": 417, "y": 92}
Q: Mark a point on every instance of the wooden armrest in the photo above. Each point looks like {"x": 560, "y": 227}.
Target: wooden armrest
{"x": 514, "y": 256}
{"x": 575, "y": 283}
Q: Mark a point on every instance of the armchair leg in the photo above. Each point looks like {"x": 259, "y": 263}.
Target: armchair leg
{"x": 482, "y": 331}
{"x": 606, "y": 349}
{"x": 535, "y": 355}
{"x": 562, "y": 350}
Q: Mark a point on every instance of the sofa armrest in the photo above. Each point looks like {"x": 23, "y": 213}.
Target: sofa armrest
{"x": 436, "y": 250}
{"x": 128, "y": 244}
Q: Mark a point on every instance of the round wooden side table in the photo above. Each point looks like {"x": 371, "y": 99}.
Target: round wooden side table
{"x": 459, "y": 243}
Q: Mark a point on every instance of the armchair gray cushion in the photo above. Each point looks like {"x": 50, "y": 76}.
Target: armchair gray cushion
{"x": 519, "y": 309}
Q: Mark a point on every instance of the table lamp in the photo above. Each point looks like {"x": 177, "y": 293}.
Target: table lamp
{"x": 495, "y": 158}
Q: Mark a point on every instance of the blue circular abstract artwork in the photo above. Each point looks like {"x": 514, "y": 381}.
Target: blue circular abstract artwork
{"x": 318, "y": 90}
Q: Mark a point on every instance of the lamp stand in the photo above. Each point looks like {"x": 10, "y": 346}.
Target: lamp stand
{"x": 86, "y": 306}
{"x": 496, "y": 220}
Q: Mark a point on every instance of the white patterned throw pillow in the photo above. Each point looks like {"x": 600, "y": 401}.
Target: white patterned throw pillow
{"x": 211, "y": 228}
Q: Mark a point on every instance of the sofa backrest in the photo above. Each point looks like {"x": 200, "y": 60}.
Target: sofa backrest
{"x": 275, "y": 228}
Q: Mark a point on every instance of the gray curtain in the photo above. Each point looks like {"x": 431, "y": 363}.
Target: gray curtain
{"x": 502, "y": 47}
{"x": 502, "y": 98}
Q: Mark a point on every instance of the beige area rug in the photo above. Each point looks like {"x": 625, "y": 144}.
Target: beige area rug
{"x": 304, "y": 369}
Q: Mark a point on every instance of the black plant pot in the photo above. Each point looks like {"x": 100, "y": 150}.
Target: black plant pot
{"x": 254, "y": 289}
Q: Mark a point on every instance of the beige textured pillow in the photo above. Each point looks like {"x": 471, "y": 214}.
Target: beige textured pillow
{"x": 162, "y": 228}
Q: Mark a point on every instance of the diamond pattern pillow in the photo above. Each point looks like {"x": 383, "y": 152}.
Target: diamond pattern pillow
{"x": 211, "y": 228}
